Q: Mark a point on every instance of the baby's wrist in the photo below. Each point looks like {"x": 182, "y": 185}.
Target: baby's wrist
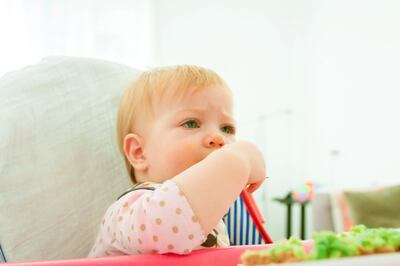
{"x": 234, "y": 157}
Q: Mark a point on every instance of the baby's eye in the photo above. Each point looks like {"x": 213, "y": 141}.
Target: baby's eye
{"x": 228, "y": 130}
{"x": 191, "y": 124}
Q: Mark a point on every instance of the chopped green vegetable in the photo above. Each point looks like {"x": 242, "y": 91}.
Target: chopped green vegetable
{"x": 328, "y": 245}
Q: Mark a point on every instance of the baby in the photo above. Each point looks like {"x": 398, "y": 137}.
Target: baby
{"x": 176, "y": 131}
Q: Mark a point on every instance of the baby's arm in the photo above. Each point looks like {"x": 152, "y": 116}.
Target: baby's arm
{"x": 212, "y": 185}
{"x": 144, "y": 221}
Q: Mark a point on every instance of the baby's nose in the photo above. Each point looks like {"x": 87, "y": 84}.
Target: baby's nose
{"x": 214, "y": 141}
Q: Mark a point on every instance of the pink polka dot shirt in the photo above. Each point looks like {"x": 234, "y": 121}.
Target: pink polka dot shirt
{"x": 157, "y": 220}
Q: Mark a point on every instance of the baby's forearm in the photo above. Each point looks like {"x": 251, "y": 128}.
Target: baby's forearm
{"x": 212, "y": 185}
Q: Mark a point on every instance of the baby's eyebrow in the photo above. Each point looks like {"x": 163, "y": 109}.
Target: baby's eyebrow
{"x": 201, "y": 111}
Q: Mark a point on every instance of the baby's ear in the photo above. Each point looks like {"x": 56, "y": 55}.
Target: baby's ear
{"x": 133, "y": 149}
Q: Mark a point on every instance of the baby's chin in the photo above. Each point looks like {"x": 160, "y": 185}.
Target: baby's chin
{"x": 187, "y": 166}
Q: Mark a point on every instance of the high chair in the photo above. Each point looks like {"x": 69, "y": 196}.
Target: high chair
{"x": 59, "y": 165}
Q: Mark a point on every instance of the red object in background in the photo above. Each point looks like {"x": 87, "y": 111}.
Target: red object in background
{"x": 256, "y": 215}
{"x": 210, "y": 256}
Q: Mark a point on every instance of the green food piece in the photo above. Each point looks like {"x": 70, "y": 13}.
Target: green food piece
{"x": 328, "y": 245}
{"x": 290, "y": 248}
{"x": 358, "y": 229}
{"x": 377, "y": 238}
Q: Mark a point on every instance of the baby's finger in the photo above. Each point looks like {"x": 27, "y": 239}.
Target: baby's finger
{"x": 253, "y": 187}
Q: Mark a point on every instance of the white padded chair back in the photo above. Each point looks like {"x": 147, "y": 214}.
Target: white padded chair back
{"x": 59, "y": 163}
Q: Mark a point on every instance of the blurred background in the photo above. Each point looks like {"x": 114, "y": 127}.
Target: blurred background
{"x": 316, "y": 82}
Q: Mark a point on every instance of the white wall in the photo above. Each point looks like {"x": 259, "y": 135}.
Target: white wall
{"x": 315, "y": 83}
{"x": 120, "y": 31}
{"x": 355, "y": 87}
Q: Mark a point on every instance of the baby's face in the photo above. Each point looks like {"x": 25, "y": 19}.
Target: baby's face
{"x": 186, "y": 130}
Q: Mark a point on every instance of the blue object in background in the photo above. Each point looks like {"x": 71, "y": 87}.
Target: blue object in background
{"x": 240, "y": 225}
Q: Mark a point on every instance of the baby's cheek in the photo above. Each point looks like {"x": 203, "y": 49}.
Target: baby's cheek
{"x": 190, "y": 147}
{"x": 186, "y": 155}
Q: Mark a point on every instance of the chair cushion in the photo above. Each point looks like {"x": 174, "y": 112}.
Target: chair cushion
{"x": 60, "y": 167}
{"x": 375, "y": 208}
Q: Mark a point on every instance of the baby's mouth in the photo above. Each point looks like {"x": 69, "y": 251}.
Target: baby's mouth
{"x": 199, "y": 160}
{"x": 205, "y": 155}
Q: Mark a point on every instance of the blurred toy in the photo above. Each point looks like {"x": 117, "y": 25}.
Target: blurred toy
{"x": 303, "y": 193}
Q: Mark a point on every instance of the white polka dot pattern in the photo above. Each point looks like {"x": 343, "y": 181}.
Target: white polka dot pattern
{"x": 147, "y": 222}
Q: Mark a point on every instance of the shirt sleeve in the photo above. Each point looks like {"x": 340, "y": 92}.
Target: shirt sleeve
{"x": 143, "y": 221}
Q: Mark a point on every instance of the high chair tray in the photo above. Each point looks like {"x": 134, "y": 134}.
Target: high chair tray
{"x": 211, "y": 256}
{"x": 214, "y": 256}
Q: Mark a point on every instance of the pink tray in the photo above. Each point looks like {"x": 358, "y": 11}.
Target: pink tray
{"x": 212, "y": 256}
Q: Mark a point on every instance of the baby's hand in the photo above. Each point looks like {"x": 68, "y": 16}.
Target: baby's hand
{"x": 253, "y": 156}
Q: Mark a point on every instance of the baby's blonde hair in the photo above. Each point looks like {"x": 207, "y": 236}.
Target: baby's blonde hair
{"x": 150, "y": 88}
